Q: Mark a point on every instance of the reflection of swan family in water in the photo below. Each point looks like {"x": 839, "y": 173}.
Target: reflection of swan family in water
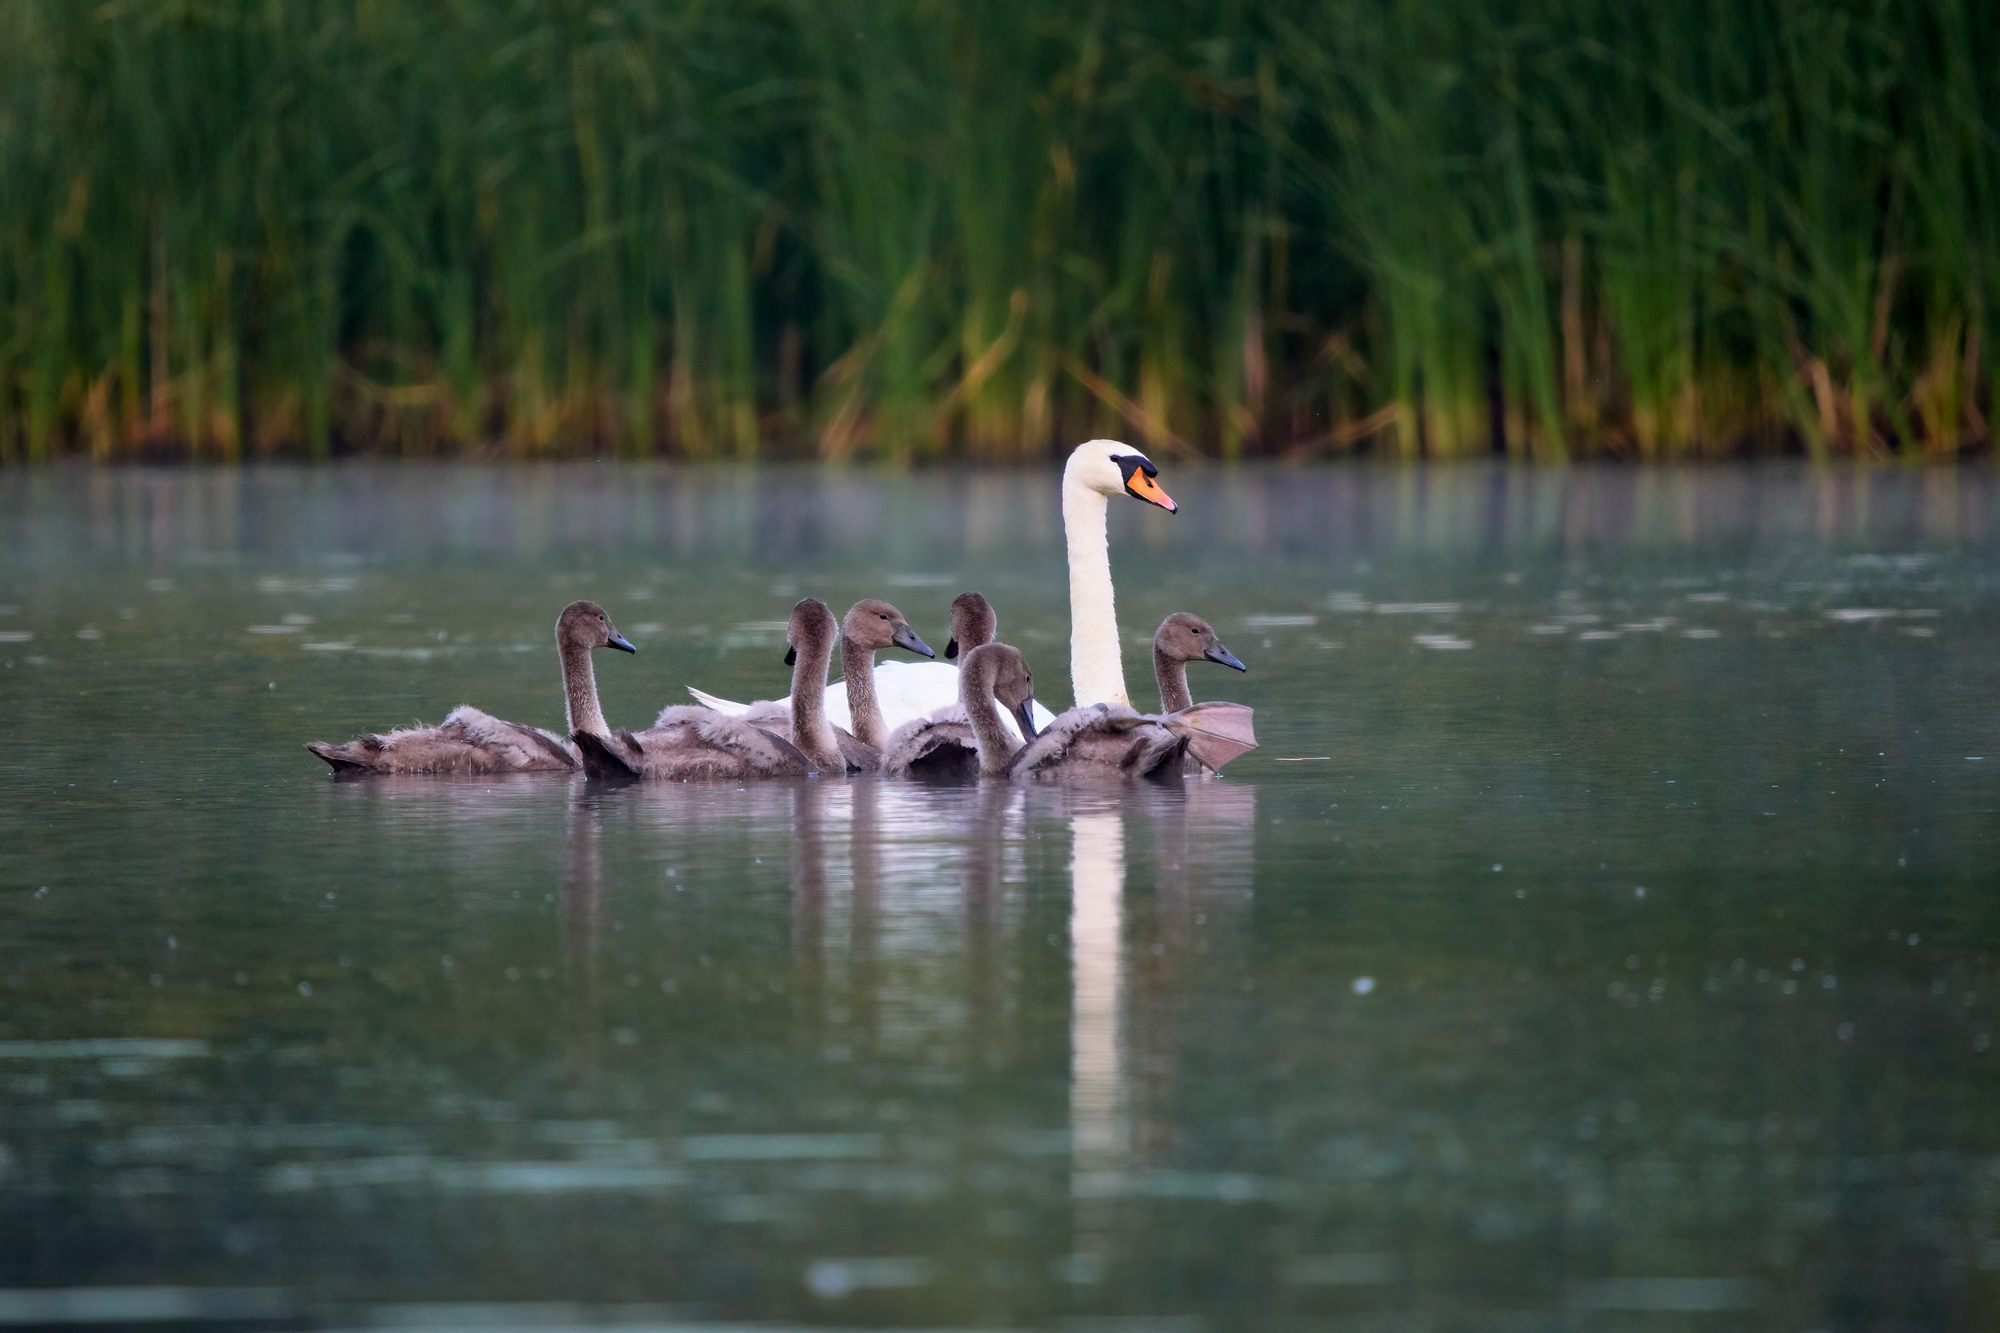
{"x": 918, "y": 720}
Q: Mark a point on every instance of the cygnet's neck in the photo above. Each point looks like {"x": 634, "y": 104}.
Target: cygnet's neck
{"x": 975, "y": 694}
{"x": 811, "y": 732}
{"x": 857, "y": 663}
{"x": 580, "y": 690}
{"x": 1171, "y": 672}
{"x": 1095, "y": 672}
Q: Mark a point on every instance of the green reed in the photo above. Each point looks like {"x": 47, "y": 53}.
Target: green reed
{"x": 864, "y": 229}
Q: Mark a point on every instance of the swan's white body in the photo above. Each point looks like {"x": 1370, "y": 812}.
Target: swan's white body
{"x": 907, "y": 692}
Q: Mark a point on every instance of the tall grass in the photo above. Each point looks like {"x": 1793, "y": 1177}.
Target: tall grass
{"x": 869, "y": 229}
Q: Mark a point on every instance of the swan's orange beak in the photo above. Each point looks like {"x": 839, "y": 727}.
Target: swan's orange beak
{"x": 1141, "y": 486}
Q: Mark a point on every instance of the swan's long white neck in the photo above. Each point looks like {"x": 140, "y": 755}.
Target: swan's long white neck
{"x": 580, "y": 690}
{"x": 1095, "y": 672}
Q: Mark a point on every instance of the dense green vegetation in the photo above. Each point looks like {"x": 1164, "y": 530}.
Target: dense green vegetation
{"x": 859, "y": 228}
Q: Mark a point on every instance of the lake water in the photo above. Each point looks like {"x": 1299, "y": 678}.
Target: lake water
{"x": 1602, "y": 938}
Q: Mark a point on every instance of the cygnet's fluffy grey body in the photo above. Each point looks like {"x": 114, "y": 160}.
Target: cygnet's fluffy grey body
{"x": 942, "y": 746}
{"x": 689, "y": 743}
{"x": 1101, "y": 741}
{"x": 469, "y": 741}
{"x": 969, "y": 740}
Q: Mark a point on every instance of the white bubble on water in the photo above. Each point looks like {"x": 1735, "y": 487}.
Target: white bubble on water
{"x": 1363, "y": 985}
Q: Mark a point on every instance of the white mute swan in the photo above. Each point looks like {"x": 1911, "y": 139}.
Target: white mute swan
{"x": 687, "y": 742}
{"x": 469, "y": 741}
{"x": 1097, "y": 470}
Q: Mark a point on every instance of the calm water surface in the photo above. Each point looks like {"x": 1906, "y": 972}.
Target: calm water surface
{"x": 1602, "y": 938}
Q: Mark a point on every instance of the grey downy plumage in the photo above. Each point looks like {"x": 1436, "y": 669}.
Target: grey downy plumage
{"x": 469, "y": 741}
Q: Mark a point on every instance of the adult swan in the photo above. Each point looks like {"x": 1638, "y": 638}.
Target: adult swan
{"x": 1098, "y": 470}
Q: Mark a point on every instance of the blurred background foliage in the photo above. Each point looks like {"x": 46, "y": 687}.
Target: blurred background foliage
{"x": 903, "y": 231}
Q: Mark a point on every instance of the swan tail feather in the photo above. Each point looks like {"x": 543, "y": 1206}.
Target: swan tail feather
{"x": 727, "y": 707}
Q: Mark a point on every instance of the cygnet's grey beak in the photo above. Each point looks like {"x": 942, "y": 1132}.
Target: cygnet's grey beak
{"x": 1024, "y": 713}
{"x": 621, "y": 643}
{"x": 906, "y": 637}
{"x": 1220, "y": 654}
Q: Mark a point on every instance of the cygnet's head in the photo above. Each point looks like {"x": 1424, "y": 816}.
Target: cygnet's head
{"x": 811, "y": 628}
{"x": 972, "y": 623}
{"x": 1006, "y": 676}
{"x": 585, "y": 625}
{"x": 875, "y": 624}
{"x": 1111, "y": 468}
{"x": 1184, "y": 637}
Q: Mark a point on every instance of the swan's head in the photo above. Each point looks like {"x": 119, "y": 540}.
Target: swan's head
{"x": 811, "y": 628}
{"x": 874, "y": 624}
{"x": 1111, "y": 468}
{"x": 999, "y": 670}
{"x": 586, "y": 625}
{"x": 1183, "y": 637}
{"x": 972, "y": 623}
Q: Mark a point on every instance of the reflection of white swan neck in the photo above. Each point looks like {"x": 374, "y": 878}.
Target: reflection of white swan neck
{"x": 1095, "y": 672}
{"x": 1097, "y": 1075}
